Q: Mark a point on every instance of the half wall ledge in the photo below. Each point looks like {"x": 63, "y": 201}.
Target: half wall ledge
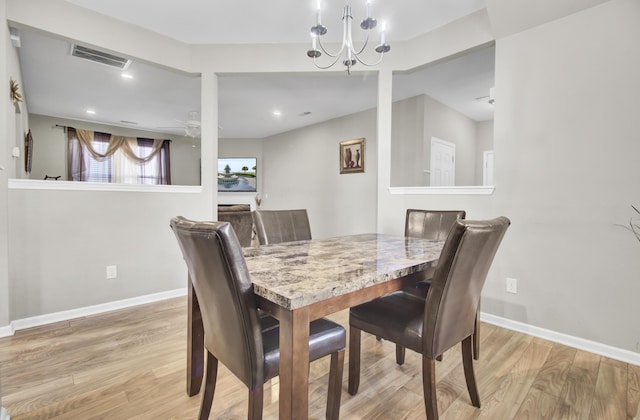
{"x": 469, "y": 190}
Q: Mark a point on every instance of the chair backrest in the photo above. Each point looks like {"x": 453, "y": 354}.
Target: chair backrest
{"x": 276, "y": 226}
{"x": 454, "y": 294}
{"x": 241, "y": 221}
{"x": 221, "y": 280}
{"x": 431, "y": 224}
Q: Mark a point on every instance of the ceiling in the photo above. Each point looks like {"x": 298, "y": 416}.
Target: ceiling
{"x": 275, "y": 21}
{"x": 57, "y": 84}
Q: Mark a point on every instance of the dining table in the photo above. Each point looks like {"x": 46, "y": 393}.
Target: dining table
{"x": 298, "y": 282}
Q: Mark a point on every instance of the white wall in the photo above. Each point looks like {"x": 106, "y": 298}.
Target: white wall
{"x": 50, "y": 148}
{"x": 302, "y": 170}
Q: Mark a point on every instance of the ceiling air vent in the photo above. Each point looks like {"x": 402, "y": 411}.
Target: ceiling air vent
{"x": 99, "y": 57}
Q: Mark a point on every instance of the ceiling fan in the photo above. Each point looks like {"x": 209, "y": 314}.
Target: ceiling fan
{"x": 191, "y": 126}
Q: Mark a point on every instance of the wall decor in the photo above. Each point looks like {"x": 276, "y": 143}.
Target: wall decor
{"x": 238, "y": 174}
{"x": 352, "y": 156}
{"x": 16, "y": 98}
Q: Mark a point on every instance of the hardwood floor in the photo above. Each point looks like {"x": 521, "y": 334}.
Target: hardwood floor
{"x": 130, "y": 364}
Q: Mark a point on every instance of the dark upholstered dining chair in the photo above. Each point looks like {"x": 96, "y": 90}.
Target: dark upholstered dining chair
{"x": 433, "y": 225}
{"x": 235, "y": 332}
{"x": 241, "y": 221}
{"x": 445, "y": 318}
{"x": 276, "y": 226}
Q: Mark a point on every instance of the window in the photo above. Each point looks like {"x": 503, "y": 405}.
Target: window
{"x": 99, "y": 170}
{"x": 102, "y": 157}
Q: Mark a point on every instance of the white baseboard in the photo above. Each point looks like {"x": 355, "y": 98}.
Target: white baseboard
{"x": 35, "y": 321}
{"x": 576, "y": 342}
{"x": 6, "y": 332}
{"x": 3, "y": 414}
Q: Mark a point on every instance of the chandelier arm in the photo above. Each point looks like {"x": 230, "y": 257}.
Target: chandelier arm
{"x": 370, "y": 64}
{"x": 327, "y": 52}
{"x": 315, "y": 61}
{"x": 366, "y": 42}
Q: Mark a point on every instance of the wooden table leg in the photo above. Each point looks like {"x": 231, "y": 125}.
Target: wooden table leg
{"x": 294, "y": 365}
{"x": 195, "y": 343}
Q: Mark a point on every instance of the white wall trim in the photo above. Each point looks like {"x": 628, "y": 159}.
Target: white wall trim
{"x": 6, "y": 331}
{"x": 39, "y": 320}
{"x": 3, "y": 414}
{"x": 470, "y": 190}
{"x": 576, "y": 342}
{"x": 34, "y": 184}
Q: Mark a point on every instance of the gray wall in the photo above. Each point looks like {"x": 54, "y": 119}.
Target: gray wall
{"x": 414, "y": 122}
{"x": 407, "y": 156}
{"x": 301, "y": 170}
{"x": 50, "y": 148}
{"x": 62, "y": 241}
{"x": 5, "y": 145}
{"x": 484, "y": 142}
{"x": 565, "y": 90}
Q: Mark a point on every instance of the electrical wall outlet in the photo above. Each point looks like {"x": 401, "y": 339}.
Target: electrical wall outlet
{"x": 112, "y": 272}
{"x": 512, "y": 285}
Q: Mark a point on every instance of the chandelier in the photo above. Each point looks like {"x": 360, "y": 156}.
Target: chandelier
{"x": 348, "y": 51}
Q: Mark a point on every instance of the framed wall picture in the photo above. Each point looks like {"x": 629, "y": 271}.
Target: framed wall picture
{"x": 352, "y": 156}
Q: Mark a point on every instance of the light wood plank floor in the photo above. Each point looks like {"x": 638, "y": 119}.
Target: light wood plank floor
{"x": 130, "y": 364}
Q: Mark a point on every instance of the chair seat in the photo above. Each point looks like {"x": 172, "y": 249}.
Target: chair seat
{"x": 397, "y": 317}
{"x": 325, "y": 337}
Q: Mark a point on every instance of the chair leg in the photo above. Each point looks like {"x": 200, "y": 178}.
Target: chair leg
{"x": 429, "y": 388}
{"x": 467, "y": 363}
{"x": 476, "y": 335}
{"x": 255, "y": 403}
{"x": 354, "y": 360}
{"x": 209, "y": 386}
{"x": 335, "y": 385}
{"x": 399, "y": 354}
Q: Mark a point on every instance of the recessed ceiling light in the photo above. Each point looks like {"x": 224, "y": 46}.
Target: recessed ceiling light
{"x": 126, "y": 76}
{"x": 277, "y": 113}
{"x": 91, "y": 112}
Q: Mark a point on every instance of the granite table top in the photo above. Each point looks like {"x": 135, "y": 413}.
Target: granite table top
{"x": 297, "y": 274}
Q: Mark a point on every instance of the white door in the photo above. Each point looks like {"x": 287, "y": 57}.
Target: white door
{"x": 487, "y": 168}
{"x": 443, "y": 163}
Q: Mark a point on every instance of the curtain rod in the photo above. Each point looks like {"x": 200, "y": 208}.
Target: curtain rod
{"x": 64, "y": 127}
